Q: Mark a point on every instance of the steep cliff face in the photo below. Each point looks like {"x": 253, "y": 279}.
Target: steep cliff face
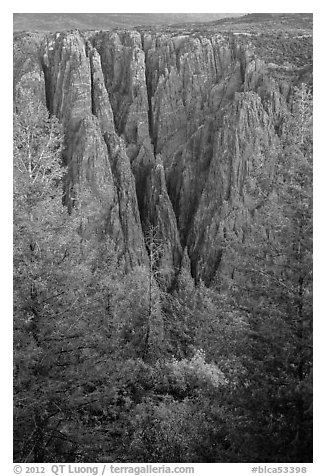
{"x": 166, "y": 130}
{"x": 244, "y": 142}
{"x": 94, "y": 153}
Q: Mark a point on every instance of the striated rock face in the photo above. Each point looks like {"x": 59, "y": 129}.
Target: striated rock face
{"x": 123, "y": 66}
{"x": 167, "y": 131}
{"x": 158, "y": 212}
{"x": 101, "y": 106}
{"x": 67, "y": 77}
{"x": 94, "y": 153}
{"x": 244, "y": 141}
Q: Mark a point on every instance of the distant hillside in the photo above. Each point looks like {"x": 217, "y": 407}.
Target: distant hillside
{"x": 271, "y": 20}
{"x": 103, "y": 21}
{"x": 254, "y": 23}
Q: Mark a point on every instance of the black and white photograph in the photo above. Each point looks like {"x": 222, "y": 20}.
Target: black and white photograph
{"x": 162, "y": 240}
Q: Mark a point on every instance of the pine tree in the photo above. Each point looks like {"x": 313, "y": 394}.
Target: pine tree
{"x": 137, "y": 308}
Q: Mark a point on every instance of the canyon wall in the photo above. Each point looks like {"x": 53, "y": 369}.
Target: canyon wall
{"x": 165, "y": 131}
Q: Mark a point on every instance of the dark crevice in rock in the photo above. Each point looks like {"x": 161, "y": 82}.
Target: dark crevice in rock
{"x": 47, "y": 76}
{"x": 47, "y": 88}
{"x": 92, "y": 89}
{"x": 149, "y": 90}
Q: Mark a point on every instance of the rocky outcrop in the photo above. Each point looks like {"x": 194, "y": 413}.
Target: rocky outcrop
{"x": 67, "y": 78}
{"x": 94, "y": 153}
{"x": 166, "y": 131}
{"x": 158, "y": 213}
{"x": 244, "y": 143}
{"x": 123, "y": 67}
